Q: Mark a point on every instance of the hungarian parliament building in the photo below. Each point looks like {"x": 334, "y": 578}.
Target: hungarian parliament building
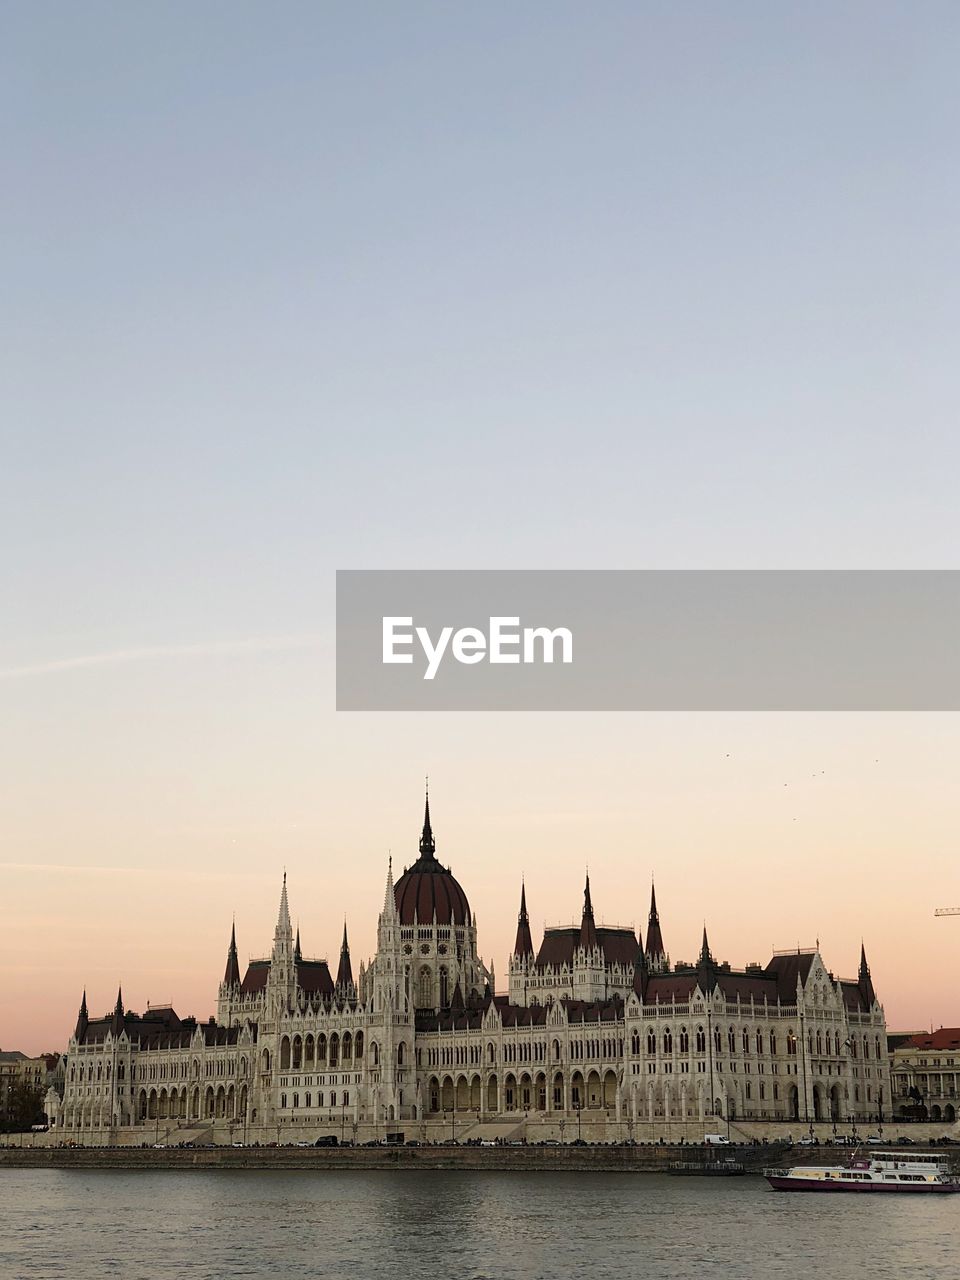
{"x": 598, "y": 1031}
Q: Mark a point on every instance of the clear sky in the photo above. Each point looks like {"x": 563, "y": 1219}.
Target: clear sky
{"x": 291, "y": 288}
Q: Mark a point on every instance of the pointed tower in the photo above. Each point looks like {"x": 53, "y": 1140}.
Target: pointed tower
{"x": 345, "y": 971}
{"x": 428, "y": 846}
{"x": 283, "y": 934}
{"x": 705, "y": 960}
{"x": 297, "y": 953}
{"x": 116, "y": 1022}
{"x": 524, "y": 943}
{"x": 231, "y": 975}
{"x": 588, "y": 929}
{"x": 82, "y": 1019}
{"x": 656, "y": 956}
{"x": 864, "y": 981}
{"x": 282, "y": 978}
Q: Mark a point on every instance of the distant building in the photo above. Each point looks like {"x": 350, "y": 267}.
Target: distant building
{"x": 17, "y": 1068}
{"x": 595, "y": 1024}
{"x": 924, "y": 1074}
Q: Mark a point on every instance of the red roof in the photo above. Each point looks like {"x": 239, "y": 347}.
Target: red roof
{"x": 314, "y": 976}
{"x": 255, "y": 979}
{"x": 428, "y": 889}
{"x": 945, "y": 1038}
{"x": 619, "y": 946}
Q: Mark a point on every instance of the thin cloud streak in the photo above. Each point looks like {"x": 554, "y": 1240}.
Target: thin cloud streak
{"x": 205, "y": 649}
{"x": 168, "y": 873}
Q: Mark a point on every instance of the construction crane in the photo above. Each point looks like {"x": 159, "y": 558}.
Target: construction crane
{"x": 947, "y": 911}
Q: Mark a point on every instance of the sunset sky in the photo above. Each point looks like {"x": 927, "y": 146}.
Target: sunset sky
{"x": 431, "y": 286}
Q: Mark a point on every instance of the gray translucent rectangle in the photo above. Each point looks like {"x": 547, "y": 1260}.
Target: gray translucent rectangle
{"x": 643, "y": 640}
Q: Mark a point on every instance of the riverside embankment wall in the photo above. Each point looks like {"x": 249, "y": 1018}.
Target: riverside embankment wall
{"x": 625, "y": 1159}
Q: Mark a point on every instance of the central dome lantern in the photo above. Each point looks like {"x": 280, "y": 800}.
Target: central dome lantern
{"x": 428, "y": 890}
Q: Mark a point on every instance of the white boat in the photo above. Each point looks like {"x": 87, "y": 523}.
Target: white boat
{"x": 870, "y": 1171}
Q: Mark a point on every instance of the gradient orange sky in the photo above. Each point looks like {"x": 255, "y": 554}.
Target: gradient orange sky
{"x": 775, "y": 830}
{"x": 539, "y": 286}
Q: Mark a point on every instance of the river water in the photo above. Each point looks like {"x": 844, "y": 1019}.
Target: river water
{"x": 362, "y": 1225}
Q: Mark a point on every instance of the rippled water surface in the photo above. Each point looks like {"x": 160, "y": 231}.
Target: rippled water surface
{"x": 467, "y": 1225}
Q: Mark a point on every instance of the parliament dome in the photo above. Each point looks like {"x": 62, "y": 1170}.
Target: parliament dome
{"x": 428, "y": 889}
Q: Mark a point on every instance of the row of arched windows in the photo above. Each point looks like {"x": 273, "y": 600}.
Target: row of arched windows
{"x": 341, "y": 1100}
{"x": 304, "y": 1052}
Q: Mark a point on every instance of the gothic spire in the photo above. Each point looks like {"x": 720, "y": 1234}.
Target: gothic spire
{"x": 345, "y": 971}
{"x": 117, "y": 1022}
{"x": 297, "y": 953}
{"x": 706, "y": 959}
{"x": 427, "y": 843}
{"x": 231, "y": 976}
{"x": 654, "y": 951}
{"x": 524, "y": 943}
{"x": 864, "y": 981}
{"x": 283, "y": 916}
{"x": 82, "y": 1018}
{"x": 389, "y": 897}
{"x": 588, "y": 929}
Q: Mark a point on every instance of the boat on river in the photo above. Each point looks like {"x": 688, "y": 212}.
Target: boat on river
{"x": 890, "y": 1171}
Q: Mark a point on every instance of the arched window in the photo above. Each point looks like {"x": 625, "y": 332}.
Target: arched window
{"x": 491, "y": 1053}
{"x": 444, "y": 988}
{"x": 556, "y": 1050}
{"x": 717, "y": 1042}
{"x": 732, "y": 1040}
{"x": 346, "y": 1047}
{"x": 746, "y": 1040}
{"x": 358, "y": 1046}
{"x": 426, "y": 988}
{"x": 668, "y": 1041}
{"x": 285, "y": 1054}
{"x": 635, "y": 1043}
{"x": 791, "y": 1043}
{"x": 651, "y": 1042}
{"x": 819, "y": 1044}
{"x": 759, "y": 1043}
{"x": 297, "y": 1053}
{"x": 773, "y": 1044}
{"x": 283, "y": 1099}
{"x": 400, "y": 1054}
{"x": 684, "y": 1040}
{"x": 701, "y": 1040}
{"x": 321, "y": 1048}
{"x": 334, "y": 1049}
{"x": 264, "y": 1064}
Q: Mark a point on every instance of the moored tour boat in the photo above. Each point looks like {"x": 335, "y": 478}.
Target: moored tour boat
{"x": 877, "y": 1171}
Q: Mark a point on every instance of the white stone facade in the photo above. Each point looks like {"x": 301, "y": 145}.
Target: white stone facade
{"x": 593, "y": 1029}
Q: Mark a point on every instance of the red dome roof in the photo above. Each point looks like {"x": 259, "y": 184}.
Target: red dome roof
{"x": 427, "y": 889}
